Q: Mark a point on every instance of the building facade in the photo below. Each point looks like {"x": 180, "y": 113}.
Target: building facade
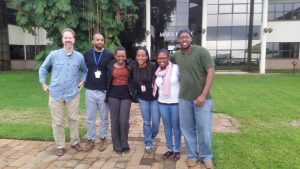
{"x": 18, "y": 48}
{"x": 222, "y": 26}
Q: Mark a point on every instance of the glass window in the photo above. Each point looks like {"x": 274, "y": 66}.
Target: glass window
{"x": 182, "y": 0}
{"x": 279, "y": 7}
{"x": 239, "y": 44}
{"x": 282, "y": 50}
{"x": 212, "y": 2}
{"x": 212, "y": 20}
{"x": 239, "y": 19}
{"x": 225, "y": 20}
{"x": 213, "y": 53}
{"x": 239, "y": 33}
{"x": 258, "y": 8}
{"x": 238, "y": 54}
{"x": 212, "y": 33}
{"x": 211, "y": 45}
{"x": 240, "y": 8}
{"x": 182, "y": 19}
{"x": 212, "y": 9}
{"x": 271, "y": 16}
{"x": 296, "y": 15}
{"x": 33, "y": 50}
{"x": 225, "y": 1}
{"x": 224, "y": 33}
{"x": 288, "y": 7}
{"x": 240, "y": 1}
{"x": 225, "y": 9}
{"x": 182, "y": 8}
{"x": 279, "y": 16}
{"x": 257, "y": 19}
{"x": 288, "y": 15}
{"x": 271, "y": 7}
{"x": 296, "y": 6}
{"x": 16, "y": 52}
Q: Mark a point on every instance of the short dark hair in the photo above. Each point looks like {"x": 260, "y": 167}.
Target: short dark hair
{"x": 67, "y": 30}
{"x": 165, "y": 51}
{"x": 185, "y": 31}
{"x": 120, "y": 48}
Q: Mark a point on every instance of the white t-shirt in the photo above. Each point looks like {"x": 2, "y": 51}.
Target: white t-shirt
{"x": 174, "y": 90}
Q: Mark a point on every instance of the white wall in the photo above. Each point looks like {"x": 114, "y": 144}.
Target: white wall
{"x": 17, "y": 36}
{"x": 284, "y": 31}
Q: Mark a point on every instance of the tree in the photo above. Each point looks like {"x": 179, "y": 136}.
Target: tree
{"x": 86, "y": 17}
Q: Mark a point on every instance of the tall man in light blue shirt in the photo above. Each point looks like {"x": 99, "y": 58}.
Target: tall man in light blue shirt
{"x": 64, "y": 89}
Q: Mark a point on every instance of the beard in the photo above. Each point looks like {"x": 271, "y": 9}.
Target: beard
{"x": 98, "y": 47}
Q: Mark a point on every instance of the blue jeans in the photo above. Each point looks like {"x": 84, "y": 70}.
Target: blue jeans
{"x": 196, "y": 127}
{"x": 170, "y": 116}
{"x": 151, "y": 120}
{"x": 94, "y": 102}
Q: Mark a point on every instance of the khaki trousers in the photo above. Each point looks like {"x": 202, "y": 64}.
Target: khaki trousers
{"x": 57, "y": 113}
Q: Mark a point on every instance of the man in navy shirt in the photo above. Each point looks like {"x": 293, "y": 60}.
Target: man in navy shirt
{"x": 64, "y": 89}
{"x": 97, "y": 59}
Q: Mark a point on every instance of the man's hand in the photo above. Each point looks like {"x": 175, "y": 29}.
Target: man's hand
{"x": 200, "y": 100}
{"x": 45, "y": 88}
{"x": 80, "y": 85}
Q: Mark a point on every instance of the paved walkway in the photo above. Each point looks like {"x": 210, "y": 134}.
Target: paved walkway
{"x": 41, "y": 155}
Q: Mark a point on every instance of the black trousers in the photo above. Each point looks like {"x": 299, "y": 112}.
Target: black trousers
{"x": 119, "y": 115}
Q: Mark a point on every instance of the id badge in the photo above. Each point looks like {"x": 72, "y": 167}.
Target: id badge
{"x": 143, "y": 88}
{"x": 97, "y": 74}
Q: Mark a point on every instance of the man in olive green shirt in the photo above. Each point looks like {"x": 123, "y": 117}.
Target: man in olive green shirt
{"x": 196, "y": 69}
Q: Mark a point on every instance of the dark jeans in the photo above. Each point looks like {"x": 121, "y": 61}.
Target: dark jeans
{"x": 119, "y": 115}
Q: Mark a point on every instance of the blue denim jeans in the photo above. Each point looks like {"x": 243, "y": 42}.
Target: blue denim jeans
{"x": 170, "y": 116}
{"x": 151, "y": 120}
{"x": 196, "y": 127}
{"x": 94, "y": 102}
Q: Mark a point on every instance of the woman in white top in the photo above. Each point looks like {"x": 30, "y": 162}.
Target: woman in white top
{"x": 167, "y": 81}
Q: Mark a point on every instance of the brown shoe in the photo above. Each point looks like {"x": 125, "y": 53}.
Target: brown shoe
{"x": 89, "y": 146}
{"x": 192, "y": 163}
{"x": 77, "y": 147}
{"x": 59, "y": 151}
{"x": 103, "y": 144}
{"x": 208, "y": 164}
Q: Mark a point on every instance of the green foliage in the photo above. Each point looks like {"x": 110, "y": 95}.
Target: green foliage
{"x": 86, "y": 17}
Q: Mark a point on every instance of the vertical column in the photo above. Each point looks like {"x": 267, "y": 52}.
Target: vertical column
{"x": 204, "y": 23}
{"x": 25, "y": 53}
{"x": 263, "y": 36}
{"x": 299, "y": 51}
{"x": 148, "y": 26}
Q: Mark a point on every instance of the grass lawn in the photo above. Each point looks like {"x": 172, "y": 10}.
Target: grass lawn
{"x": 265, "y": 105}
{"x": 24, "y": 108}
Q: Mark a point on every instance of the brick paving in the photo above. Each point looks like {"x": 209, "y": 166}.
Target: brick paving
{"x": 19, "y": 154}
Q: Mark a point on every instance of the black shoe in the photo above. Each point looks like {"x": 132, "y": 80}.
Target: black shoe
{"x": 126, "y": 150}
{"x": 118, "y": 151}
{"x": 167, "y": 154}
{"x": 176, "y": 156}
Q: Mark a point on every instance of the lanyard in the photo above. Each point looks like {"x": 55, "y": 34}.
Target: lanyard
{"x": 100, "y": 56}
